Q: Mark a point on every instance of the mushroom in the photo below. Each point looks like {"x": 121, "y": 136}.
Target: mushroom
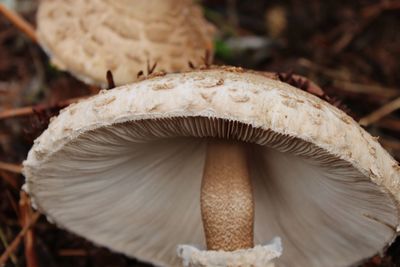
{"x": 89, "y": 37}
{"x": 223, "y": 160}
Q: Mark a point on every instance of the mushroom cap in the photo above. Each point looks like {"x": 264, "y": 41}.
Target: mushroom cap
{"x": 124, "y": 168}
{"x": 90, "y": 37}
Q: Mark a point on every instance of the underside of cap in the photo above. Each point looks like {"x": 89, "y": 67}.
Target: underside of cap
{"x": 90, "y": 37}
{"x": 134, "y": 161}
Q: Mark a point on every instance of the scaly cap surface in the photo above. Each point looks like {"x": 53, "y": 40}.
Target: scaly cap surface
{"x": 124, "y": 168}
{"x": 90, "y": 37}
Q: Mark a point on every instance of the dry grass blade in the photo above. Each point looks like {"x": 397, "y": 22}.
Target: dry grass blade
{"x": 359, "y": 88}
{"x": 15, "y": 243}
{"x": 5, "y": 244}
{"x": 72, "y": 253}
{"x": 151, "y": 69}
{"x": 16, "y": 112}
{"x": 15, "y": 168}
{"x": 370, "y": 13}
{"x": 25, "y": 111}
{"x": 19, "y": 22}
{"x": 342, "y": 82}
{"x": 29, "y": 238}
{"x": 381, "y": 112}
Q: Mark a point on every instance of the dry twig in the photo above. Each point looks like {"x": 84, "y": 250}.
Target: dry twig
{"x": 369, "y": 14}
{"x": 10, "y": 167}
{"x": 29, "y": 238}
{"x": 19, "y": 22}
{"x": 358, "y": 88}
{"x": 70, "y": 252}
{"x": 5, "y": 244}
{"x": 341, "y": 80}
{"x": 15, "y": 243}
{"x": 18, "y": 112}
{"x": 381, "y": 112}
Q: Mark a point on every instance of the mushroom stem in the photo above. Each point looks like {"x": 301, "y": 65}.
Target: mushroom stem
{"x": 227, "y": 204}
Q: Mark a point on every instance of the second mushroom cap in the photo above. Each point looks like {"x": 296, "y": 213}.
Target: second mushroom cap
{"x": 90, "y": 37}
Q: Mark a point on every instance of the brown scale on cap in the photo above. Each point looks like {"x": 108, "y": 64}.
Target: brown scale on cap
{"x": 151, "y": 73}
{"x": 110, "y": 80}
{"x": 206, "y": 62}
{"x": 310, "y": 87}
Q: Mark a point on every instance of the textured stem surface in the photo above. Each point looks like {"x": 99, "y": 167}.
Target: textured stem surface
{"x": 227, "y": 204}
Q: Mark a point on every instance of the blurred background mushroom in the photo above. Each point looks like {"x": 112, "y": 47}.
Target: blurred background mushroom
{"x": 127, "y": 38}
{"x": 246, "y": 154}
{"x": 87, "y": 38}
